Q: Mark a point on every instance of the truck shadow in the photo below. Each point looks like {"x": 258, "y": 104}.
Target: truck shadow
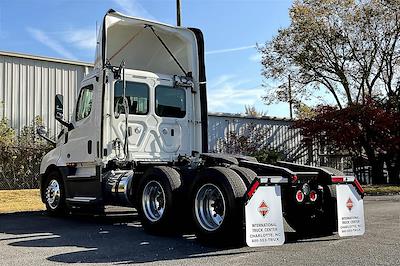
{"x": 115, "y": 238}
{"x": 110, "y": 239}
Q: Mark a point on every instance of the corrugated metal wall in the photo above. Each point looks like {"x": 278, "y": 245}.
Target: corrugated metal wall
{"x": 280, "y": 134}
{"x": 28, "y": 85}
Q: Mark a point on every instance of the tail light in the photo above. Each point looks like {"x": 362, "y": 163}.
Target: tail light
{"x": 337, "y": 179}
{"x": 299, "y": 196}
{"x": 253, "y": 188}
{"x": 313, "y": 195}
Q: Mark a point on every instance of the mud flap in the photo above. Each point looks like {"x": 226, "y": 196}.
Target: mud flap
{"x": 264, "y": 218}
{"x": 350, "y": 210}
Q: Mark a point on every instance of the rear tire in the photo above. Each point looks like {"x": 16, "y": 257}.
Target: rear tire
{"x": 156, "y": 202}
{"x": 54, "y": 194}
{"x": 217, "y": 201}
{"x": 246, "y": 174}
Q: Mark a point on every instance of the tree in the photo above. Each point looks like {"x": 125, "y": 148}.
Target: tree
{"x": 251, "y": 140}
{"x": 7, "y": 134}
{"x": 351, "y": 50}
{"x": 303, "y": 111}
{"x": 251, "y": 111}
{"x": 360, "y": 129}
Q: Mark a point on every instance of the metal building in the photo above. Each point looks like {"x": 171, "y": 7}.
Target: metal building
{"x": 29, "y": 83}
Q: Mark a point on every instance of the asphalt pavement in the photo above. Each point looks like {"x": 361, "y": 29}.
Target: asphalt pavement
{"x": 33, "y": 238}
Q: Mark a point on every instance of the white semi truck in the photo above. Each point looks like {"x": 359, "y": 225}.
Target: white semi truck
{"x": 138, "y": 137}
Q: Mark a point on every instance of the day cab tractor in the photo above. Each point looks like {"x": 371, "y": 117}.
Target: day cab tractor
{"x": 138, "y": 137}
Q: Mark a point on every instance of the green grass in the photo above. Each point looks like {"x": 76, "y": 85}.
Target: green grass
{"x": 382, "y": 189}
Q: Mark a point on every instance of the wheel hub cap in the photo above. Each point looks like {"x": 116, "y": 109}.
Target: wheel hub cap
{"x": 53, "y": 194}
{"x": 210, "y": 207}
{"x": 153, "y": 201}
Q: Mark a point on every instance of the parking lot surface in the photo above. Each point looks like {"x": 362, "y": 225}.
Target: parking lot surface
{"x": 35, "y": 239}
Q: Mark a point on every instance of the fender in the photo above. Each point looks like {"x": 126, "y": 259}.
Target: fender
{"x": 51, "y": 158}
{"x": 51, "y": 162}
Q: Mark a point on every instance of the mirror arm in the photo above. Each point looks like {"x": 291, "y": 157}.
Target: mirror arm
{"x": 70, "y": 126}
{"x": 52, "y": 142}
{"x": 42, "y": 135}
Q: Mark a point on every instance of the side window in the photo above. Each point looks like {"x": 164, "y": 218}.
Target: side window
{"x": 170, "y": 101}
{"x": 137, "y": 95}
{"x": 84, "y": 105}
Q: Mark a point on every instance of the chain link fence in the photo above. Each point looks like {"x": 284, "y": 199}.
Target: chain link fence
{"x": 20, "y": 167}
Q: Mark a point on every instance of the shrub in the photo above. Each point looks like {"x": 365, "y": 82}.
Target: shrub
{"x": 20, "y": 156}
{"x": 251, "y": 140}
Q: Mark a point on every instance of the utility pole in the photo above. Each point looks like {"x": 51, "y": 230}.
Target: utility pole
{"x": 290, "y": 98}
{"x": 178, "y": 12}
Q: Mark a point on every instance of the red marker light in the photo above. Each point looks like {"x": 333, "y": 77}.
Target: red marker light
{"x": 299, "y": 196}
{"x": 313, "y": 195}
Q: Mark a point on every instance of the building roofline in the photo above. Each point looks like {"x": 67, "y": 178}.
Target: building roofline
{"x": 45, "y": 58}
{"x": 230, "y": 115}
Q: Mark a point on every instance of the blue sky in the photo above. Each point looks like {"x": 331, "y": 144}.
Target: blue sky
{"x": 67, "y": 29}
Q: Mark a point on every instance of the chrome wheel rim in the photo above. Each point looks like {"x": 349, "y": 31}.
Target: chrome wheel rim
{"x": 53, "y": 194}
{"x": 210, "y": 207}
{"x": 153, "y": 201}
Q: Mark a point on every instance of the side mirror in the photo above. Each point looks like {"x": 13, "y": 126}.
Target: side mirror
{"x": 59, "y": 112}
{"x": 42, "y": 132}
{"x": 59, "y": 107}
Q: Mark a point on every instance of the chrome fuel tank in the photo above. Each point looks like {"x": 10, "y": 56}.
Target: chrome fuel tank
{"x": 118, "y": 187}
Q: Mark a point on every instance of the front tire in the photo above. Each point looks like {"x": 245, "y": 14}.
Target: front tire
{"x": 54, "y": 195}
{"x": 157, "y": 201}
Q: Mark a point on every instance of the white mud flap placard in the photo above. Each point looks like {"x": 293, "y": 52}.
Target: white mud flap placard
{"x": 350, "y": 210}
{"x": 264, "y": 220}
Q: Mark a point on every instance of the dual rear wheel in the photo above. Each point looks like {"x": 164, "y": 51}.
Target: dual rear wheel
{"x": 215, "y": 202}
